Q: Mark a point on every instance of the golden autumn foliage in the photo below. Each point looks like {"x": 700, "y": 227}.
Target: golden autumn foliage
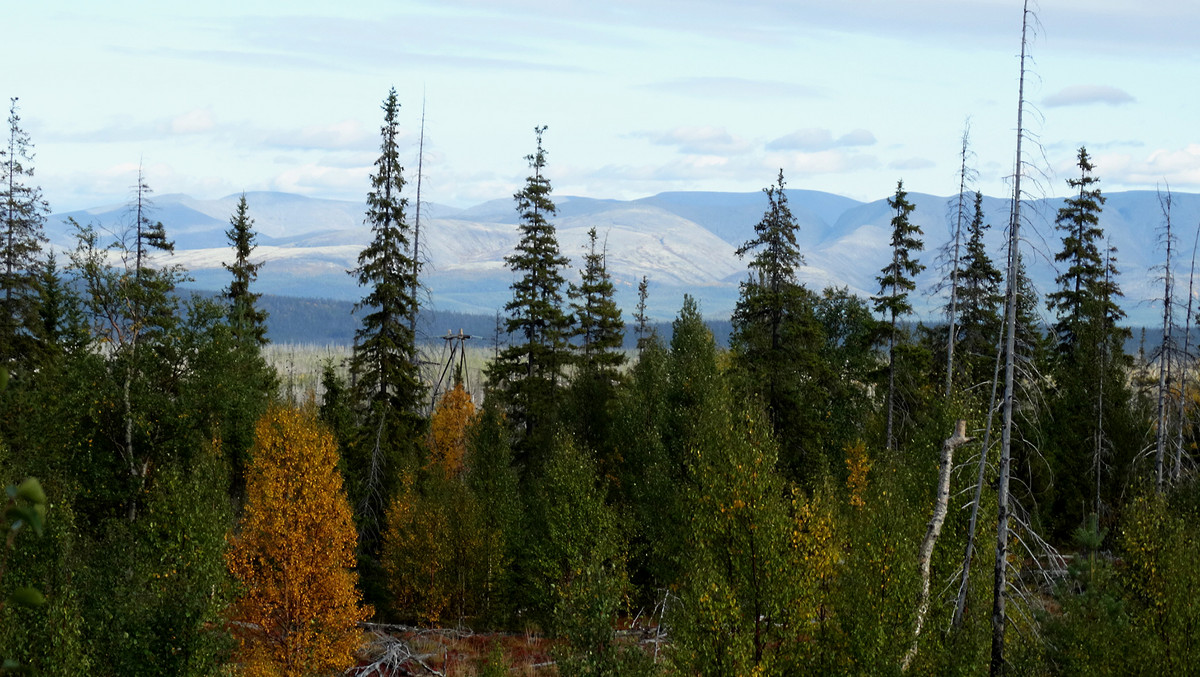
{"x": 299, "y": 609}
{"x": 817, "y": 550}
{"x": 858, "y": 464}
{"x": 448, "y": 429}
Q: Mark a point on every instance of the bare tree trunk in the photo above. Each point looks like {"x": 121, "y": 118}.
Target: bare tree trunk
{"x": 952, "y": 336}
{"x": 960, "y": 604}
{"x": 1164, "y": 358}
{"x": 127, "y": 403}
{"x": 956, "y": 440}
{"x": 1000, "y": 591}
{"x": 416, "y": 249}
{"x": 1187, "y": 335}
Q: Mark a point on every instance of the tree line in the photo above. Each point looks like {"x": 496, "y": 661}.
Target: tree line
{"x": 777, "y": 507}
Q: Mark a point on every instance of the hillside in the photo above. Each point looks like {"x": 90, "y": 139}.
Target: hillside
{"x": 683, "y": 242}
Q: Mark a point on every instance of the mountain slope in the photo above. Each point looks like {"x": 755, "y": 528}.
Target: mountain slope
{"x": 682, "y": 242}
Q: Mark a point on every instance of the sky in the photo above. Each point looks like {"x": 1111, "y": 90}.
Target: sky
{"x": 639, "y": 96}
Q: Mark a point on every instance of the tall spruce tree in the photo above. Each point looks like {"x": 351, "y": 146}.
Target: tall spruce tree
{"x": 895, "y": 282}
{"x": 527, "y": 375}
{"x": 387, "y": 384}
{"x": 599, "y": 334}
{"x": 1091, "y": 391}
{"x": 1080, "y": 301}
{"x": 776, "y": 336}
{"x": 979, "y": 302}
{"x": 23, "y": 214}
{"x": 599, "y": 330}
{"x": 249, "y": 323}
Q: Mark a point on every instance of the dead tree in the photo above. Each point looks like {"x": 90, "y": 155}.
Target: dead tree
{"x": 1164, "y": 357}
{"x": 1000, "y": 591}
{"x": 960, "y": 211}
{"x": 925, "y": 556}
{"x": 1187, "y": 335}
{"x": 416, "y": 246}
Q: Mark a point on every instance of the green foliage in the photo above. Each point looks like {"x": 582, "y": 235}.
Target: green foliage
{"x": 248, "y": 321}
{"x": 23, "y": 214}
{"x": 62, "y": 327}
{"x": 647, "y": 486}
{"x": 154, "y": 590}
{"x": 431, "y": 549}
{"x": 527, "y": 375}
{"x": 386, "y": 384}
{"x": 777, "y": 338}
{"x": 41, "y": 627}
{"x": 599, "y": 335}
{"x": 492, "y": 481}
{"x": 1086, "y": 295}
{"x": 574, "y": 565}
{"x": 738, "y": 596}
{"x": 979, "y": 301}
{"x": 895, "y": 282}
{"x": 896, "y": 278}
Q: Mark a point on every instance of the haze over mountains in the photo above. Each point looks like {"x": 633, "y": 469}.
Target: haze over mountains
{"x": 684, "y": 242}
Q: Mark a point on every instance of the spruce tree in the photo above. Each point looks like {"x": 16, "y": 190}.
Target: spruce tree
{"x": 527, "y": 375}
{"x": 387, "y": 384}
{"x": 1082, "y": 299}
{"x": 639, "y": 315}
{"x": 599, "y": 330}
{"x": 62, "y": 327}
{"x": 248, "y": 321}
{"x": 599, "y": 334}
{"x": 23, "y": 214}
{"x": 147, "y": 235}
{"x": 979, "y": 302}
{"x": 1090, "y": 389}
{"x": 776, "y": 337}
{"x": 895, "y": 282}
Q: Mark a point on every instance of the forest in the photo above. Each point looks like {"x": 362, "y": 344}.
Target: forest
{"x": 843, "y": 489}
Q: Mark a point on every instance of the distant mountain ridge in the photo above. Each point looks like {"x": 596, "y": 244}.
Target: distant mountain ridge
{"x": 683, "y": 242}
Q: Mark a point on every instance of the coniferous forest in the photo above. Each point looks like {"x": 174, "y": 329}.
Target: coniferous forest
{"x": 843, "y": 490}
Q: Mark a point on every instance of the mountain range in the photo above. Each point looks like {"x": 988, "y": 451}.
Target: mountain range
{"x": 683, "y": 242}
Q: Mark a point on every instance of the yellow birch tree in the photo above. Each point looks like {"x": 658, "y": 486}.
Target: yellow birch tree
{"x": 294, "y": 555}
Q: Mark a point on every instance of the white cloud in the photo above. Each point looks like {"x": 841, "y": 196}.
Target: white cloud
{"x": 817, "y": 139}
{"x": 705, "y": 140}
{"x": 196, "y": 121}
{"x": 1180, "y": 168}
{"x": 833, "y": 161}
{"x": 347, "y": 134}
{"x": 1084, "y": 95}
{"x": 314, "y": 179}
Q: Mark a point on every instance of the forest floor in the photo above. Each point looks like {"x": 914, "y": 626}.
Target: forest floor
{"x": 395, "y": 650}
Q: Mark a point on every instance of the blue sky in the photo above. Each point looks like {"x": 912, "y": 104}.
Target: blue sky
{"x": 640, "y": 96}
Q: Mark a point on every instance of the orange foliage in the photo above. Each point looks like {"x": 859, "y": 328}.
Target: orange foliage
{"x": 858, "y": 464}
{"x": 448, "y": 430}
{"x": 294, "y": 556}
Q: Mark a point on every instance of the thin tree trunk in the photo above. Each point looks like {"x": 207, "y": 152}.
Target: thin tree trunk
{"x": 1164, "y": 360}
{"x": 960, "y": 603}
{"x": 1187, "y": 335}
{"x": 1000, "y": 591}
{"x": 952, "y": 337}
{"x": 956, "y": 440}
{"x": 416, "y": 249}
